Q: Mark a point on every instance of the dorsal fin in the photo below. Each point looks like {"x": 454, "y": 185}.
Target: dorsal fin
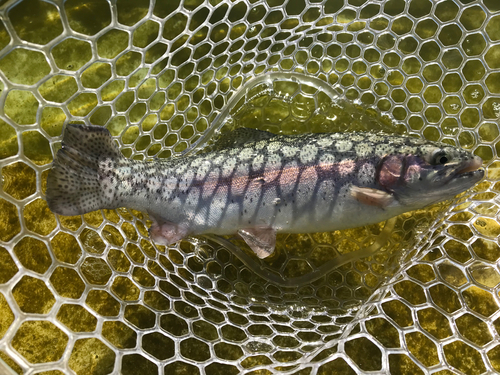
{"x": 239, "y": 137}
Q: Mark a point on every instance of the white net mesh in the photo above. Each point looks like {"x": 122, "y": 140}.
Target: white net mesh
{"x": 92, "y": 294}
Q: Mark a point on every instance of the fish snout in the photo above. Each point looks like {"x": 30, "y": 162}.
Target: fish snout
{"x": 470, "y": 165}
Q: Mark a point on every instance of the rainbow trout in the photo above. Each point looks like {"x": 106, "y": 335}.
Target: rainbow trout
{"x": 256, "y": 184}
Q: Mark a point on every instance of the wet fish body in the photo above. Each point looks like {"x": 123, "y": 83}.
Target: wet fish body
{"x": 257, "y": 184}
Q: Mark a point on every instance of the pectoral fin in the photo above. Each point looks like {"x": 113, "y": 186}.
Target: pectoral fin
{"x": 167, "y": 233}
{"x": 372, "y": 197}
{"x": 261, "y": 240}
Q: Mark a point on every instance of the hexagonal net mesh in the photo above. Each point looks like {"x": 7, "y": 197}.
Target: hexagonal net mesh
{"x": 92, "y": 294}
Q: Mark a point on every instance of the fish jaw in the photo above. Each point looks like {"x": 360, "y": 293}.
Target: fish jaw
{"x": 462, "y": 176}
{"x": 466, "y": 177}
{"x": 470, "y": 166}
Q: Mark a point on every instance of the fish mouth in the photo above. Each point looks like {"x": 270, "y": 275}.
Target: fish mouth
{"x": 471, "y": 168}
{"x": 478, "y": 174}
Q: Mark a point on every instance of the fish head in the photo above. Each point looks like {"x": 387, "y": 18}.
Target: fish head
{"x": 433, "y": 173}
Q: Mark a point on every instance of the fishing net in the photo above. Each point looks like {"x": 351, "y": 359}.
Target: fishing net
{"x": 92, "y": 294}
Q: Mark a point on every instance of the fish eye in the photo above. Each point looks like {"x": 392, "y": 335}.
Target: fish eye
{"x": 440, "y": 157}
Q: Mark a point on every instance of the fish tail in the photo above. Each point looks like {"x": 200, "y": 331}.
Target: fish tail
{"x": 74, "y": 184}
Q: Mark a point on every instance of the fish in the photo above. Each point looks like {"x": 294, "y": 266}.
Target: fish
{"x": 256, "y": 184}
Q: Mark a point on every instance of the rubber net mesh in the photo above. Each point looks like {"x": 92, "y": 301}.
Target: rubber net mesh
{"x": 92, "y": 294}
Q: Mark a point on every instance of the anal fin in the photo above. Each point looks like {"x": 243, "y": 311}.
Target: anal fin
{"x": 167, "y": 233}
{"x": 372, "y": 197}
{"x": 261, "y": 240}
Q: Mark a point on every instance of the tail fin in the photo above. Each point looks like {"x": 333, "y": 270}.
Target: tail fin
{"x": 73, "y": 186}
